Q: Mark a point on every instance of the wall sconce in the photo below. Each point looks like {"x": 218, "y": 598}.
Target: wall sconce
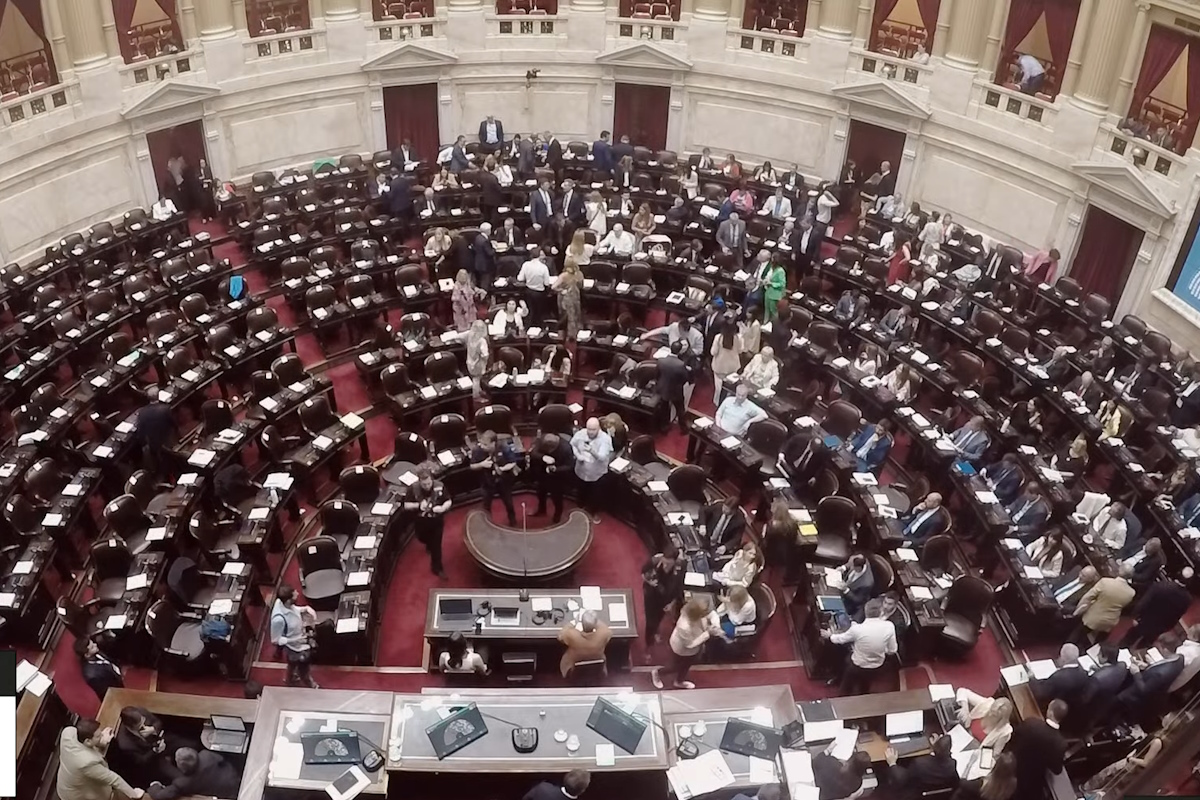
{"x": 1139, "y": 156}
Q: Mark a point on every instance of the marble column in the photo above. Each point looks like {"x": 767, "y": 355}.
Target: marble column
{"x": 110, "y": 30}
{"x": 468, "y": 6}
{"x": 712, "y": 10}
{"x": 186, "y": 13}
{"x": 812, "y": 18}
{"x": 57, "y": 38}
{"x": 1108, "y": 41}
{"x": 341, "y": 9}
{"x": 83, "y": 26}
{"x": 1071, "y": 74}
{"x": 995, "y": 35}
{"x": 941, "y": 37}
{"x": 837, "y": 18}
{"x": 1133, "y": 60}
{"x": 862, "y": 23}
{"x": 968, "y": 33}
{"x": 214, "y": 18}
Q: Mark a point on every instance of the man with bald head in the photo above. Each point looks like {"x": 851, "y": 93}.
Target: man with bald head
{"x": 925, "y": 519}
{"x": 1069, "y": 683}
{"x": 585, "y": 640}
{"x": 593, "y": 448}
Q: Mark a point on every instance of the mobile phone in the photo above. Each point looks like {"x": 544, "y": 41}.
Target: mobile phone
{"x": 986, "y": 759}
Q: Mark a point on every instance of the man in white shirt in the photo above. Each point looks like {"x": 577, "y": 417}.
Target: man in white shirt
{"x": 535, "y": 275}
{"x": 163, "y": 209}
{"x": 736, "y": 414}
{"x": 680, "y": 329}
{"x": 1109, "y": 527}
{"x": 1189, "y": 650}
{"x": 871, "y": 642}
{"x": 826, "y": 203}
{"x": 618, "y": 242}
{"x": 491, "y": 134}
{"x": 593, "y": 449}
{"x": 1033, "y": 74}
{"x": 777, "y": 206}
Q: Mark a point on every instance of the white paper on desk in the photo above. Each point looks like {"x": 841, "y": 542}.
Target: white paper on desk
{"x": 921, "y": 593}
{"x": 960, "y": 739}
{"x": 381, "y": 509}
{"x": 606, "y": 755}
{"x": 702, "y": 423}
{"x": 202, "y": 457}
{"x": 797, "y": 766}
{"x": 1042, "y": 668}
{"x": 694, "y": 579}
{"x": 52, "y": 520}
{"x": 39, "y": 684}
{"x": 590, "y": 597}
{"x": 920, "y": 420}
{"x": 881, "y": 499}
{"x": 986, "y": 497}
{"x": 731, "y": 442}
{"x": 941, "y": 691}
{"x": 963, "y": 759}
{"x": 428, "y": 392}
{"x": 447, "y": 458}
{"x": 658, "y": 486}
{"x": 139, "y": 581}
{"x": 223, "y": 606}
{"x": 358, "y": 578}
{"x": 887, "y": 512}
{"x": 279, "y": 480}
{"x": 364, "y": 542}
{"x": 943, "y": 581}
{"x": 1088, "y": 663}
{"x": 1012, "y": 544}
{"x": 349, "y": 625}
{"x": 259, "y": 513}
{"x": 156, "y": 534}
{"x": 701, "y": 775}
{"x": 25, "y": 673}
{"x": 865, "y": 479}
{"x": 1033, "y": 572}
{"x": 907, "y": 554}
{"x": 233, "y": 568}
{"x": 619, "y": 465}
{"x": 844, "y": 744}
{"x": 800, "y": 514}
{"x": 286, "y": 760}
{"x": 541, "y": 603}
{"x": 823, "y": 730}
{"x": 833, "y": 578}
{"x": 679, "y": 518}
{"x": 22, "y": 568}
{"x": 762, "y": 771}
{"x": 116, "y": 622}
{"x": 1016, "y": 674}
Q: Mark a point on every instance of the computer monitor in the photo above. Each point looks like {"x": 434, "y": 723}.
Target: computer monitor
{"x": 456, "y": 731}
{"x": 456, "y": 608}
{"x": 224, "y": 723}
{"x": 904, "y": 723}
{"x": 617, "y": 725}
{"x": 334, "y": 747}
{"x": 749, "y": 739}
{"x": 506, "y": 616}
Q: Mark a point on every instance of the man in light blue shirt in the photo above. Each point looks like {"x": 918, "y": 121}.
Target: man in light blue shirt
{"x": 593, "y": 448}
{"x": 736, "y": 414}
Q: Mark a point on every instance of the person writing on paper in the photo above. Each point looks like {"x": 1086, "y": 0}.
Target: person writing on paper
{"x": 83, "y": 773}
{"x": 431, "y": 501}
{"x": 871, "y": 446}
{"x": 971, "y": 440}
{"x": 203, "y": 773}
{"x": 871, "y": 642}
{"x": 593, "y": 449}
{"x": 1047, "y": 552}
{"x": 762, "y": 371}
{"x": 584, "y": 640}
{"x": 999, "y": 784}
{"x": 989, "y": 719}
{"x": 574, "y": 784}
{"x": 858, "y": 582}
{"x": 722, "y": 524}
{"x": 99, "y": 672}
{"x": 617, "y": 242}
{"x": 839, "y": 780}
{"x": 736, "y": 414}
{"x": 697, "y": 623}
{"x": 1099, "y": 610}
{"x": 924, "y": 520}
{"x": 934, "y": 772}
{"x": 742, "y": 568}
{"x": 460, "y": 658}
{"x": 291, "y": 631}
{"x": 1028, "y": 513}
{"x": 737, "y": 608}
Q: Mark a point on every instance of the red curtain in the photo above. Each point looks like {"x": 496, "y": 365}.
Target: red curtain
{"x": 1163, "y": 48}
{"x": 929, "y": 17}
{"x": 31, "y": 10}
{"x": 640, "y": 112}
{"x": 1193, "y": 94}
{"x": 883, "y": 8}
{"x": 1107, "y": 249}
{"x": 411, "y": 112}
{"x": 1061, "y": 16}
{"x": 123, "y": 12}
{"x": 1022, "y": 16}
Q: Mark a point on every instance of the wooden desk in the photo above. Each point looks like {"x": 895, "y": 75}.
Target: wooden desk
{"x": 536, "y": 556}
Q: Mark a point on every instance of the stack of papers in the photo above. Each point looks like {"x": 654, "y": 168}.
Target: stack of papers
{"x": 590, "y": 596}
{"x": 1042, "y": 668}
{"x": 701, "y": 775}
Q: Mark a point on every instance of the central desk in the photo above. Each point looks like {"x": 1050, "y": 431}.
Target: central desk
{"x": 536, "y": 555}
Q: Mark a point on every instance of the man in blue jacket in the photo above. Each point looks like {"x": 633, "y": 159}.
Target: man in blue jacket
{"x": 871, "y": 446}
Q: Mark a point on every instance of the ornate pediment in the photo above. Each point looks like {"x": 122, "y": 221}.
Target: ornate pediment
{"x": 643, "y": 55}
{"x": 409, "y": 55}
{"x": 1124, "y": 181}
{"x": 170, "y": 95}
{"x": 882, "y": 95}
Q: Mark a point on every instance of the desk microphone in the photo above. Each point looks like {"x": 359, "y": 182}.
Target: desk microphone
{"x": 523, "y": 595}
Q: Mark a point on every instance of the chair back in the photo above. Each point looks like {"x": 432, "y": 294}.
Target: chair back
{"x": 410, "y": 447}
{"x": 989, "y": 322}
{"x": 216, "y": 414}
{"x": 315, "y": 414}
{"x": 110, "y": 559}
{"x": 556, "y": 418}
{"x": 881, "y": 570}
{"x": 937, "y": 552}
{"x": 320, "y": 553}
{"x": 767, "y": 437}
{"x": 441, "y": 367}
{"x": 835, "y": 515}
{"x": 687, "y": 482}
{"x": 496, "y": 418}
{"x": 447, "y": 432}
{"x": 395, "y": 380}
{"x": 1134, "y": 326}
{"x": 143, "y": 486}
{"x": 843, "y": 419}
{"x": 967, "y": 367}
{"x": 1159, "y": 344}
{"x": 360, "y": 483}
{"x": 1096, "y": 306}
{"x": 969, "y": 597}
{"x": 826, "y": 484}
{"x": 1069, "y": 288}
{"x": 643, "y": 450}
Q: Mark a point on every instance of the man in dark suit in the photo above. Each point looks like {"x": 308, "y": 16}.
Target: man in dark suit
{"x": 404, "y": 154}
{"x": 553, "y": 464}
{"x": 1005, "y": 478}
{"x": 491, "y": 134}
{"x": 541, "y": 205}
{"x": 1159, "y": 610}
{"x": 802, "y": 456}
{"x": 204, "y": 773}
{"x": 924, "y": 520}
{"x": 621, "y": 149}
{"x": 1039, "y": 748}
{"x": 572, "y": 203}
{"x": 930, "y": 773}
{"x": 485, "y": 257}
{"x": 525, "y": 158}
{"x": 602, "y": 154}
{"x": 510, "y": 234}
{"x": 1069, "y": 683}
{"x": 1186, "y": 412}
{"x": 1136, "y": 378}
{"x": 1104, "y": 686}
{"x": 1149, "y": 566}
{"x": 723, "y": 524}
{"x": 99, "y": 673}
{"x": 1028, "y": 513}
{"x": 400, "y": 201}
{"x": 1148, "y": 686}
{"x": 491, "y": 196}
{"x": 554, "y": 155}
{"x": 672, "y": 375}
{"x": 887, "y": 181}
{"x": 574, "y": 784}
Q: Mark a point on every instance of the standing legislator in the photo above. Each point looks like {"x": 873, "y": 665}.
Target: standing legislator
{"x": 430, "y": 500}
{"x": 593, "y": 449}
{"x": 552, "y": 463}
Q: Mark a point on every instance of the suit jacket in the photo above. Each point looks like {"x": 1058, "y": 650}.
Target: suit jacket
{"x": 403, "y": 155}
{"x": 933, "y": 524}
{"x": 554, "y": 157}
{"x": 1186, "y": 412}
{"x": 1146, "y": 571}
{"x": 887, "y": 185}
{"x": 1161, "y": 606}
{"x": 491, "y": 195}
{"x": 731, "y": 537}
{"x": 1034, "y": 518}
{"x": 101, "y": 676}
{"x": 499, "y": 131}
{"x": 602, "y": 156}
{"x": 400, "y": 201}
{"x": 797, "y": 180}
{"x": 1134, "y": 381}
{"x": 582, "y": 646}
{"x": 525, "y": 159}
{"x": 545, "y": 791}
{"x": 422, "y": 205}
{"x": 1103, "y": 687}
{"x": 732, "y": 235}
{"x": 1106, "y": 597}
{"x": 539, "y": 212}
{"x": 620, "y": 150}
{"x": 1038, "y": 749}
{"x": 501, "y": 235}
{"x": 1007, "y": 480}
{"x": 458, "y": 159}
{"x": 1069, "y": 684}
{"x": 878, "y": 452}
{"x": 573, "y": 210}
{"x": 83, "y": 773}
{"x": 1145, "y": 688}
{"x": 485, "y": 255}
{"x": 213, "y": 776}
{"x": 922, "y": 774}
{"x": 672, "y": 375}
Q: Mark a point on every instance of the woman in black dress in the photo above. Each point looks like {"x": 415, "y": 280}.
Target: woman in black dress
{"x": 662, "y": 585}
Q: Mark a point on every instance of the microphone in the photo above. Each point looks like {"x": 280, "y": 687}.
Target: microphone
{"x": 523, "y": 595}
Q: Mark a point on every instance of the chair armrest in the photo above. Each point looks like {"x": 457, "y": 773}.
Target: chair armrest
{"x": 209, "y": 573}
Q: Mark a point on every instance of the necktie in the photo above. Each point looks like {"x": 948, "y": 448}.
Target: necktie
{"x": 916, "y": 522}
{"x": 866, "y": 448}
{"x": 720, "y": 528}
{"x": 1191, "y": 520}
{"x": 1017, "y": 517}
{"x": 804, "y": 459}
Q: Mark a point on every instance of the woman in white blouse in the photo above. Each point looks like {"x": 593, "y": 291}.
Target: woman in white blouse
{"x": 1046, "y": 552}
{"x": 697, "y": 624}
{"x": 738, "y": 607}
{"x": 989, "y": 718}
{"x": 751, "y": 332}
{"x": 460, "y": 658}
{"x": 867, "y": 361}
{"x": 595, "y": 210}
{"x": 763, "y": 370}
{"x": 689, "y": 182}
{"x": 742, "y": 569}
{"x": 726, "y": 355}
{"x": 901, "y": 382}
{"x": 510, "y": 318}
{"x": 579, "y": 249}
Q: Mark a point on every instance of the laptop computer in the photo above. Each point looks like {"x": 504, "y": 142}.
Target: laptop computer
{"x": 506, "y": 617}
{"x": 228, "y": 734}
{"x": 456, "y": 610}
{"x": 747, "y": 739}
{"x": 831, "y": 603}
{"x": 334, "y": 747}
{"x": 449, "y": 735}
{"x": 616, "y": 725}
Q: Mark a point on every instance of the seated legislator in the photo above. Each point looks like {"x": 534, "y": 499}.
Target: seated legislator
{"x": 460, "y": 658}
{"x": 902, "y": 382}
{"x": 200, "y": 773}
{"x": 742, "y": 569}
{"x": 618, "y": 242}
{"x": 722, "y": 525}
{"x": 1004, "y": 477}
{"x": 762, "y": 371}
{"x": 871, "y": 446}
{"x": 858, "y": 582}
{"x": 988, "y": 718}
{"x": 1072, "y": 461}
{"x": 1149, "y": 685}
{"x": 737, "y": 608}
{"x": 1028, "y": 513}
{"x": 924, "y": 520}
{"x": 930, "y": 773}
{"x": 1107, "y": 525}
{"x": 584, "y": 640}
{"x": 777, "y": 206}
{"x": 971, "y": 440}
{"x": 737, "y": 413}
{"x": 1189, "y": 650}
{"x": 1047, "y": 552}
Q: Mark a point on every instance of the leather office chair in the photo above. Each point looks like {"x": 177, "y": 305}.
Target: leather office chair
{"x": 835, "y": 518}
{"x": 116, "y": 346}
{"x": 640, "y": 279}
{"x": 360, "y": 291}
{"x": 216, "y": 416}
{"x": 644, "y": 374}
{"x": 189, "y": 585}
{"x": 410, "y": 449}
{"x": 767, "y": 437}
{"x": 263, "y": 383}
{"x": 989, "y": 323}
{"x": 826, "y": 484}
{"x": 967, "y": 368}
{"x": 937, "y": 553}
{"x": 111, "y": 560}
{"x": 395, "y": 381}
{"x": 322, "y": 576}
{"x": 46, "y": 398}
{"x": 193, "y": 307}
{"x": 643, "y": 451}
{"x": 64, "y": 323}
{"x": 843, "y": 419}
{"x": 1096, "y": 307}
{"x": 966, "y": 603}
{"x": 1133, "y": 326}
{"x": 22, "y": 516}
{"x": 1069, "y": 288}
{"x": 100, "y": 301}
{"x": 1159, "y": 345}
{"x": 319, "y": 301}
{"x": 44, "y": 480}
{"x": 824, "y": 337}
{"x": 496, "y": 418}
{"x": 588, "y": 673}
{"x": 604, "y": 273}
{"x": 512, "y": 359}
{"x": 881, "y": 570}
{"x": 124, "y": 516}
{"x": 414, "y": 326}
{"x": 687, "y": 484}
{"x": 1016, "y": 338}
{"x": 278, "y": 447}
{"x": 410, "y": 275}
{"x": 556, "y": 418}
{"x": 1158, "y": 403}
{"x": 441, "y": 367}
{"x": 176, "y": 635}
{"x": 163, "y": 326}
{"x": 260, "y": 319}
{"x": 86, "y": 620}
{"x": 315, "y": 415}
{"x": 143, "y": 486}
{"x": 219, "y": 339}
{"x": 360, "y": 484}
{"x": 289, "y": 369}
{"x": 447, "y": 432}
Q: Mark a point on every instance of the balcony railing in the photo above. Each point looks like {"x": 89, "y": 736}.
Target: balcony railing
{"x": 161, "y": 68}
{"x": 526, "y": 24}
{"x": 44, "y": 101}
{"x": 889, "y": 67}
{"x": 287, "y": 43}
{"x": 656, "y": 30}
{"x": 769, "y": 42}
{"x": 1141, "y": 153}
{"x": 399, "y": 30}
{"x": 1002, "y": 105}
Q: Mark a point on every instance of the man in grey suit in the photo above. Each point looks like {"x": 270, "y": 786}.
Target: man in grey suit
{"x": 731, "y": 236}
{"x": 525, "y": 161}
